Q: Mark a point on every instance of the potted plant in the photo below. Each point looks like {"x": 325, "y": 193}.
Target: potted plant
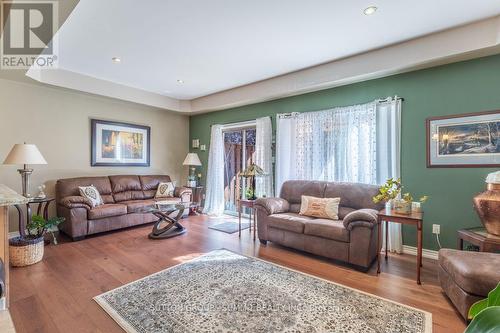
{"x": 485, "y": 314}
{"x": 388, "y": 192}
{"x": 28, "y": 250}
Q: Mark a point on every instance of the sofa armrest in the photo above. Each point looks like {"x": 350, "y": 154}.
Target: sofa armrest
{"x": 361, "y": 218}
{"x": 273, "y": 205}
{"x": 76, "y": 202}
{"x": 183, "y": 193}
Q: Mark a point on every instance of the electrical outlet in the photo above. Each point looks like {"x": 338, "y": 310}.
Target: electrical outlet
{"x": 436, "y": 229}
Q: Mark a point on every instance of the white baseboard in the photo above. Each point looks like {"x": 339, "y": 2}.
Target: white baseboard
{"x": 431, "y": 254}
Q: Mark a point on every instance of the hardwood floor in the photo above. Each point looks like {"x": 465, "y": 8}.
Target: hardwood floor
{"x": 56, "y": 294}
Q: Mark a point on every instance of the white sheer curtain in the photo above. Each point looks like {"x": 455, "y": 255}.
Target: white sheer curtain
{"x": 214, "y": 201}
{"x": 263, "y": 156}
{"x": 389, "y": 158}
{"x": 332, "y": 145}
{"x": 359, "y": 143}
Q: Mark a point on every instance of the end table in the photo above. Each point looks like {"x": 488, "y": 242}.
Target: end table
{"x": 196, "y": 198}
{"x": 480, "y": 238}
{"x": 43, "y": 208}
{"x": 250, "y": 204}
{"x": 416, "y": 219}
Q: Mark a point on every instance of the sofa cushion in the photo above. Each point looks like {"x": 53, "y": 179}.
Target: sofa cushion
{"x": 69, "y": 187}
{"x": 326, "y": 208}
{"x": 126, "y": 187}
{"x": 292, "y": 190}
{"x": 288, "y": 221}
{"x": 475, "y": 272}
{"x": 331, "y": 229}
{"x": 150, "y": 183}
{"x": 134, "y": 205}
{"x": 354, "y": 195}
{"x": 107, "y": 210}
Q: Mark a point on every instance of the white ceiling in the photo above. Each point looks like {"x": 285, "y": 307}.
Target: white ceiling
{"x": 215, "y": 45}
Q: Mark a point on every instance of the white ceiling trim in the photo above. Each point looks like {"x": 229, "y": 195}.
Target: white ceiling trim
{"x": 466, "y": 42}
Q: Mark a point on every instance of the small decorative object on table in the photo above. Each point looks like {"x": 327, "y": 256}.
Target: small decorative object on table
{"x": 41, "y": 192}
{"x": 28, "y": 250}
{"x": 487, "y": 204}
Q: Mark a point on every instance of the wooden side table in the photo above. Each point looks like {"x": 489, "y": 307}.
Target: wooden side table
{"x": 250, "y": 204}
{"x": 480, "y": 238}
{"x": 416, "y": 219}
{"x": 43, "y": 208}
{"x": 197, "y": 198}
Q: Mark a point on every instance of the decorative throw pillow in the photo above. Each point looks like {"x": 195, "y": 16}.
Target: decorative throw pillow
{"x": 327, "y": 208}
{"x": 165, "y": 190}
{"x": 91, "y": 193}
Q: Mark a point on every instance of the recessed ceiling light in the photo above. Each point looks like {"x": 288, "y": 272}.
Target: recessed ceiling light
{"x": 370, "y": 10}
{"x": 180, "y": 81}
{"x": 116, "y": 59}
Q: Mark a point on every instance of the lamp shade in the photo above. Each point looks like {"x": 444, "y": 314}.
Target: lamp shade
{"x": 24, "y": 154}
{"x": 192, "y": 159}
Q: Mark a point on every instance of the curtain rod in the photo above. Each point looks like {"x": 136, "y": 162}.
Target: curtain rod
{"x": 243, "y": 122}
{"x": 381, "y": 100}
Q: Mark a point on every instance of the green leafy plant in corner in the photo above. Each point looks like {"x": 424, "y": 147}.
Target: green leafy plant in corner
{"x": 39, "y": 226}
{"x": 485, "y": 314}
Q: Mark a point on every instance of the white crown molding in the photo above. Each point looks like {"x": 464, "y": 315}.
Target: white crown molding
{"x": 80, "y": 82}
{"x": 462, "y": 43}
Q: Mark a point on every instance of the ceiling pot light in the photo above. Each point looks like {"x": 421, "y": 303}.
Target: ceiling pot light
{"x": 180, "y": 81}
{"x": 370, "y": 10}
{"x": 116, "y": 59}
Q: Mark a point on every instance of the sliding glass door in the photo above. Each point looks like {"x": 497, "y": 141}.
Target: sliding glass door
{"x": 239, "y": 149}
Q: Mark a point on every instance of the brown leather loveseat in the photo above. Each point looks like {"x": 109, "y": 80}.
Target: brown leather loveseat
{"x": 352, "y": 238}
{"x": 122, "y": 196}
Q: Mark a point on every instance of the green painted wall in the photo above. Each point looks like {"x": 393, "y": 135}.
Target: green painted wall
{"x": 469, "y": 86}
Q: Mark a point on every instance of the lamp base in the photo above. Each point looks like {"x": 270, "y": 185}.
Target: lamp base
{"x": 25, "y": 180}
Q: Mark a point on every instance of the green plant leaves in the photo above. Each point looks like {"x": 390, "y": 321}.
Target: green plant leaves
{"x": 486, "y": 321}
{"x": 477, "y": 307}
{"x": 492, "y": 300}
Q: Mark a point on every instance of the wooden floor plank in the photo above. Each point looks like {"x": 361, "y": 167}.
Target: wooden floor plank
{"x": 56, "y": 294}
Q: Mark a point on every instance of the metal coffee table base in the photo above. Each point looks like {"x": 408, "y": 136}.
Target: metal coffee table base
{"x": 171, "y": 229}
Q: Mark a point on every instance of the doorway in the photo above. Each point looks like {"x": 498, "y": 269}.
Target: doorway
{"x": 239, "y": 150}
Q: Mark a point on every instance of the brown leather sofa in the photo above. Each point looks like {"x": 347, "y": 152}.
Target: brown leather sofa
{"x": 122, "y": 196}
{"x": 467, "y": 277}
{"x": 352, "y": 238}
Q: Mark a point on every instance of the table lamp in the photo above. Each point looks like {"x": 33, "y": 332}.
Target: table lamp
{"x": 251, "y": 172}
{"x": 192, "y": 160}
{"x": 25, "y": 154}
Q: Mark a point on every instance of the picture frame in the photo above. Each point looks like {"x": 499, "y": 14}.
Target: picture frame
{"x": 469, "y": 140}
{"x": 119, "y": 144}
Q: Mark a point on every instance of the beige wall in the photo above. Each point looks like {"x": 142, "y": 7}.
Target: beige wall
{"x": 58, "y": 122}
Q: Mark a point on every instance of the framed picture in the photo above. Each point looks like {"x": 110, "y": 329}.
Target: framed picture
{"x": 119, "y": 144}
{"x": 466, "y": 140}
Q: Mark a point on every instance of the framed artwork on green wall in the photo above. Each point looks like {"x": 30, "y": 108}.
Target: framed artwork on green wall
{"x": 464, "y": 140}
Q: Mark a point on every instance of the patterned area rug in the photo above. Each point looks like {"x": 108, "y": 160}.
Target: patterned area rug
{"x": 226, "y": 292}
{"x": 229, "y": 227}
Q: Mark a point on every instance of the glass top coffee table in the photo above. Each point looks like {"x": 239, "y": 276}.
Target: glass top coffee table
{"x": 168, "y": 214}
